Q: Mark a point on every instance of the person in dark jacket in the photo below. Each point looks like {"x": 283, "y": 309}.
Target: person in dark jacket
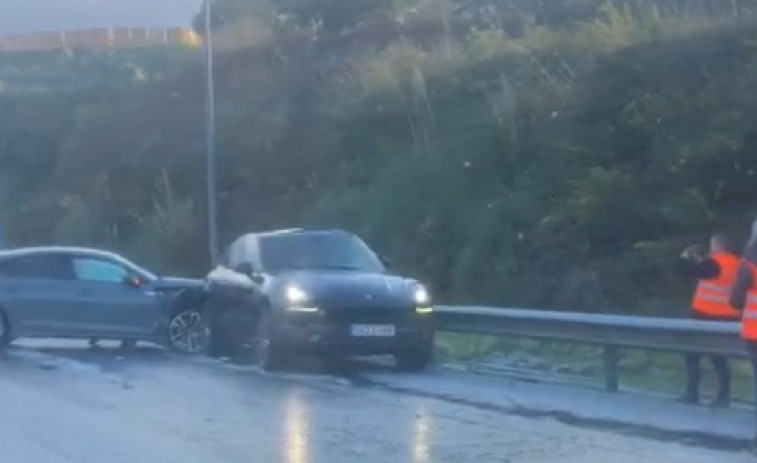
{"x": 715, "y": 274}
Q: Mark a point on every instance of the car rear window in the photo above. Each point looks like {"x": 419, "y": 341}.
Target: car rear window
{"x": 37, "y": 266}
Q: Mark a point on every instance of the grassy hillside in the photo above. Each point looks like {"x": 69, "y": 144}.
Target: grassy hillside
{"x": 69, "y": 70}
{"x": 554, "y": 157}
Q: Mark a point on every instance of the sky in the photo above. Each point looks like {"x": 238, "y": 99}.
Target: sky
{"x": 36, "y": 15}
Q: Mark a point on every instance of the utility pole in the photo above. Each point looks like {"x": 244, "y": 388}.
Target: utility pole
{"x": 210, "y": 135}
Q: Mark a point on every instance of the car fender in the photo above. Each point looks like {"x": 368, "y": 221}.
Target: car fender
{"x": 188, "y": 298}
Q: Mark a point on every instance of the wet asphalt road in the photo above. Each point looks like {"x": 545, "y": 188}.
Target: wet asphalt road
{"x": 69, "y": 404}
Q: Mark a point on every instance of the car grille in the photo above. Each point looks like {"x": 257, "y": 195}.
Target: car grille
{"x": 368, "y": 315}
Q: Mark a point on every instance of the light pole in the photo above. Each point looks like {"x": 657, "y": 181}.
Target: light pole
{"x": 210, "y": 135}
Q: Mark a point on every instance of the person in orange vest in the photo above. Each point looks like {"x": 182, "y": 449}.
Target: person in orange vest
{"x": 744, "y": 298}
{"x": 715, "y": 273}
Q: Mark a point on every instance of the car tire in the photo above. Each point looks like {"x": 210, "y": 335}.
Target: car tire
{"x": 414, "y": 360}
{"x": 6, "y": 337}
{"x": 188, "y": 332}
{"x": 269, "y": 355}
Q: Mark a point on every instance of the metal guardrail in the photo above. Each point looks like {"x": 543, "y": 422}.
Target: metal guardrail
{"x": 611, "y": 332}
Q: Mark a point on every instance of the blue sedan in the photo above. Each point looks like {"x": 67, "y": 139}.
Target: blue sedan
{"x": 67, "y": 292}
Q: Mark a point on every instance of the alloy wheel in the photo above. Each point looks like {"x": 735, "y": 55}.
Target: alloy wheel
{"x": 188, "y": 332}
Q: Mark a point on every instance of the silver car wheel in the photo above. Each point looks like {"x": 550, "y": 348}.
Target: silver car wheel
{"x": 188, "y": 332}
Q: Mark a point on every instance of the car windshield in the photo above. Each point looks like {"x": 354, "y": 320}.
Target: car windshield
{"x": 317, "y": 251}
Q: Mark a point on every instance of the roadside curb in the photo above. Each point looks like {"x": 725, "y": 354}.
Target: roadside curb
{"x": 651, "y": 417}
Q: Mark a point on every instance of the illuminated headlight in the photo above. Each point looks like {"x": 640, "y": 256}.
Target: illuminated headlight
{"x": 297, "y": 300}
{"x": 421, "y": 296}
{"x": 295, "y": 295}
{"x": 422, "y": 300}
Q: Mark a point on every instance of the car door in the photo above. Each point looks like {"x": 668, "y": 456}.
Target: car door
{"x": 107, "y": 304}
{"x": 37, "y": 292}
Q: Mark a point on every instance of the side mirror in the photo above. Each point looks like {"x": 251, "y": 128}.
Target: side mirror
{"x": 386, "y": 261}
{"x": 133, "y": 281}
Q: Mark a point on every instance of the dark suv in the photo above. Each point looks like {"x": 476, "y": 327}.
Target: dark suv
{"x": 327, "y": 292}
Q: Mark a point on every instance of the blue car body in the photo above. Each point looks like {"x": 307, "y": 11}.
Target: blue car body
{"x": 67, "y": 292}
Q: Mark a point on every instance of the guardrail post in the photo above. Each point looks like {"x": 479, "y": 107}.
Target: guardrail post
{"x": 611, "y": 368}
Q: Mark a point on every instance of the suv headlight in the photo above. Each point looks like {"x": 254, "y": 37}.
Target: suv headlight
{"x": 422, "y": 300}
{"x": 297, "y": 300}
{"x": 295, "y": 295}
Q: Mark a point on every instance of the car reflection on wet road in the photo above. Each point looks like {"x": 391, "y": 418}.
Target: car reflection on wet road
{"x": 68, "y": 404}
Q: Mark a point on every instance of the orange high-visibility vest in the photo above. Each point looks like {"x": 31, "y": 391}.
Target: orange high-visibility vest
{"x": 749, "y": 317}
{"x": 711, "y": 296}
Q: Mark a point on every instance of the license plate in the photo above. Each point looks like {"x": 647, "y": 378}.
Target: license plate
{"x": 372, "y": 330}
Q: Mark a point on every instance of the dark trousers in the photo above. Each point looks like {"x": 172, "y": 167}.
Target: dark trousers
{"x": 751, "y": 347}
{"x": 694, "y": 370}
{"x": 694, "y": 376}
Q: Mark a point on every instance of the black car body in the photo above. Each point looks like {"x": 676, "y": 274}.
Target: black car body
{"x": 327, "y": 292}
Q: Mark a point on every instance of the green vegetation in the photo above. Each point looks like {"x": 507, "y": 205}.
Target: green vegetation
{"x": 71, "y": 70}
{"x": 535, "y": 154}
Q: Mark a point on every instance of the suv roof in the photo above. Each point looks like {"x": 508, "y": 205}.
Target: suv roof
{"x": 295, "y": 231}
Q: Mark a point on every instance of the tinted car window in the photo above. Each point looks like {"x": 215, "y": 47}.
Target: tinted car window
{"x": 37, "y": 266}
{"x": 317, "y": 251}
{"x": 98, "y": 270}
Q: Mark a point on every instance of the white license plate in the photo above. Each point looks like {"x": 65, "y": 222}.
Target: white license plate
{"x": 372, "y": 330}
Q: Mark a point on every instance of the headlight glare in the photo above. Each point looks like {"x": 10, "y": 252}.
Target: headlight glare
{"x": 298, "y": 300}
{"x": 421, "y": 296}
{"x": 295, "y": 295}
{"x": 422, "y": 300}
